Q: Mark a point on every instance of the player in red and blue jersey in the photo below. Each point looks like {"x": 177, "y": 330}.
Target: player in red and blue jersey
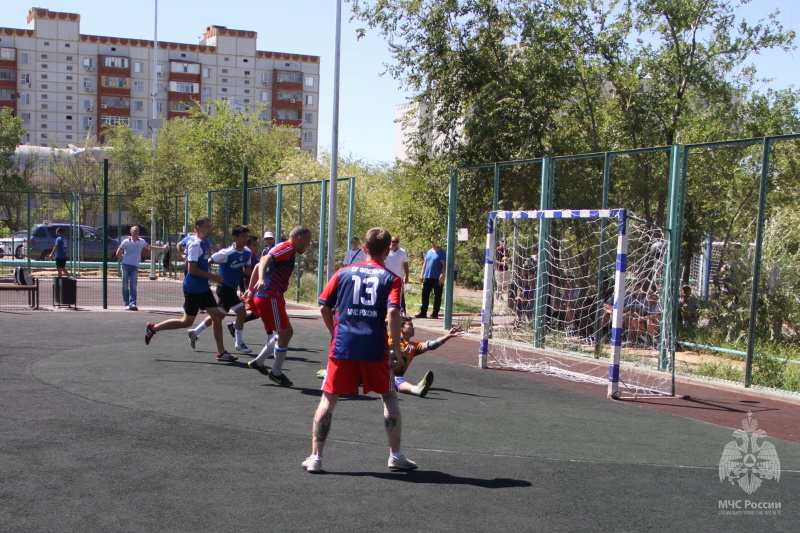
{"x": 232, "y": 261}
{"x": 354, "y": 305}
{"x": 196, "y": 291}
{"x": 267, "y": 285}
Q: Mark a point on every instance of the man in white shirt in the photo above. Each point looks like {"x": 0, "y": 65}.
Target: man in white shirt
{"x": 397, "y": 263}
{"x": 130, "y": 253}
{"x": 355, "y": 254}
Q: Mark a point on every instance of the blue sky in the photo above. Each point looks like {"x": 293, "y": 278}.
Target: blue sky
{"x": 367, "y": 99}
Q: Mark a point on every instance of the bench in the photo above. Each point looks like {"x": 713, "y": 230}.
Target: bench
{"x": 33, "y": 291}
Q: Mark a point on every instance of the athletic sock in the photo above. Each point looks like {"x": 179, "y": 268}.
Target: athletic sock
{"x": 239, "y": 335}
{"x": 200, "y": 327}
{"x": 277, "y": 365}
{"x": 415, "y": 390}
{"x": 266, "y": 351}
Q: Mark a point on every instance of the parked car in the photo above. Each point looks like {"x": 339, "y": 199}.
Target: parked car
{"x": 14, "y": 245}
{"x": 43, "y": 238}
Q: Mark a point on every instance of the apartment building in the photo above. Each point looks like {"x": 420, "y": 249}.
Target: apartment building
{"x": 65, "y": 86}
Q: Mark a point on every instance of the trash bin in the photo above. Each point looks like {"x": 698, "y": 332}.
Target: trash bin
{"x": 64, "y": 292}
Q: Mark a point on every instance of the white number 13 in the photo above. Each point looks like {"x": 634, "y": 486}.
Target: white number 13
{"x": 371, "y": 287}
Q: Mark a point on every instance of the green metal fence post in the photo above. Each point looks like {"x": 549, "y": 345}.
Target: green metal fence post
{"x": 278, "y": 212}
{"x": 545, "y": 202}
{"x": 754, "y": 290}
{"x": 451, "y": 249}
{"x": 323, "y": 235}
{"x": 208, "y": 207}
{"x": 598, "y": 318}
{"x": 105, "y": 234}
{"x": 496, "y": 195}
{"x": 672, "y": 268}
{"x": 245, "y": 198}
{"x": 299, "y": 223}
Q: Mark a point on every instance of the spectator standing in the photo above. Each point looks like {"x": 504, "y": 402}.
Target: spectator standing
{"x": 502, "y": 275}
{"x": 355, "y": 254}
{"x": 355, "y": 305}
{"x": 130, "y": 254}
{"x": 269, "y": 242}
{"x": 59, "y": 252}
{"x": 397, "y": 263}
{"x": 433, "y": 269}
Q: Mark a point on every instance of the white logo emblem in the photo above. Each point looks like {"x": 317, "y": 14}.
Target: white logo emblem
{"x": 748, "y": 462}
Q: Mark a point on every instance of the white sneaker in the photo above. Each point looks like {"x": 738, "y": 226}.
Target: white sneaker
{"x": 312, "y": 465}
{"x": 242, "y": 348}
{"x": 401, "y": 462}
{"x": 192, "y": 338}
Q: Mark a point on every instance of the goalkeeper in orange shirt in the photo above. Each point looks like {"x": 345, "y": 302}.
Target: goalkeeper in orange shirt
{"x": 410, "y": 350}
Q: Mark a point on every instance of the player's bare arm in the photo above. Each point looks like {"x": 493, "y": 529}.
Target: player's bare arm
{"x": 393, "y": 315}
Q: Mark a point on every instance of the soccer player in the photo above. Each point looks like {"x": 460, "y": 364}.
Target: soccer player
{"x": 232, "y": 262}
{"x": 409, "y": 350}
{"x": 354, "y": 305}
{"x": 252, "y": 244}
{"x": 196, "y": 291}
{"x": 267, "y": 285}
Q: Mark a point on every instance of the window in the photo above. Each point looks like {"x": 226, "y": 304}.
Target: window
{"x": 265, "y": 96}
{"x": 43, "y": 117}
{"x": 308, "y": 118}
{"x": 44, "y": 136}
{"x": 26, "y": 118}
{"x": 138, "y": 125}
{"x": 8, "y": 94}
{"x": 265, "y": 78}
{"x": 69, "y": 107}
{"x": 289, "y": 95}
{"x": 244, "y": 60}
{"x": 115, "y": 82}
{"x": 70, "y": 87}
{"x": 247, "y": 82}
{"x": 183, "y": 55}
{"x": 247, "y": 91}
{"x": 115, "y": 101}
{"x": 44, "y": 76}
{"x": 246, "y": 100}
{"x": 180, "y": 107}
{"x": 159, "y": 107}
{"x": 87, "y": 83}
{"x": 224, "y": 80}
{"x": 206, "y": 72}
{"x": 69, "y": 78}
{"x": 223, "y": 90}
{"x": 24, "y": 58}
{"x": 182, "y": 87}
{"x": 308, "y": 136}
{"x": 224, "y": 71}
{"x": 69, "y": 97}
{"x": 309, "y": 81}
{"x": 44, "y": 65}
{"x": 309, "y": 99}
{"x": 246, "y": 72}
{"x": 87, "y": 62}
{"x": 290, "y": 77}
{"x": 87, "y": 103}
{"x": 288, "y": 114}
{"x": 113, "y": 49}
{"x": 69, "y": 58}
{"x": 44, "y": 106}
{"x": 206, "y": 91}
{"x": 43, "y": 97}
{"x": 23, "y": 98}
{"x": 137, "y": 67}
{"x": 116, "y": 62}
{"x": 138, "y": 86}
{"x": 66, "y": 45}
{"x": 68, "y": 136}
{"x": 43, "y": 56}
{"x": 69, "y": 117}
{"x": 87, "y": 123}
{"x": 226, "y": 58}
{"x": 69, "y": 68}
{"x": 42, "y": 126}
{"x": 7, "y": 74}
{"x": 9, "y": 54}
{"x": 138, "y": 105}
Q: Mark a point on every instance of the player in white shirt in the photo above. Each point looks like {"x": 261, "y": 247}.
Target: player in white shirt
{"x": 130, "y": 253}
{"x": 397, "y": 262}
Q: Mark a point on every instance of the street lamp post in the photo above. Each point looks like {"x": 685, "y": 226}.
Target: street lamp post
{"x": 334, "y": 146}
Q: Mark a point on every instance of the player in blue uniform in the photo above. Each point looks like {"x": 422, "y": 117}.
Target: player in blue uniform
{"x": 354, "y": 305}
{"x": 232, "y": 262}
{"x": 60, "y": 253}
{"x": 196, "y": 291}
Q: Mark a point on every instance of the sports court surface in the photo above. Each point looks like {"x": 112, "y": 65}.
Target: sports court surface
{"x": 99, "y": 432}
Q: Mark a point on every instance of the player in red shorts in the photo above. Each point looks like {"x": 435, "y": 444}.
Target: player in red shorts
{"x": 267, "y": 285}
{"x": 354, "y": 305}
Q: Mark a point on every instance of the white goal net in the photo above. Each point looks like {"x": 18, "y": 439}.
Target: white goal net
{"x": 584, "y": 295}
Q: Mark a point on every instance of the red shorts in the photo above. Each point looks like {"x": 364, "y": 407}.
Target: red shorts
{"x": 250, "y": 306}
{"x": 344, "y": 375}
{"x": 272, "y": 312}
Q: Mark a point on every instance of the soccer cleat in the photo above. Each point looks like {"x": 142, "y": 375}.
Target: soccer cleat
{"x": 132, "y": 308}
{"x": 232, "y": 329}
{"x": 192, "y": 338}
{"x": 425, "y": 384}
{"x": 322, "y": 373}
{"x": 400, "y": 463}
{"x": 312, "y": 465}
{"x": 225, "y": 357}
{"x": 242, "y": 348}
{"x": 255, "y": 366}
{"x": 127, "y": 307}
{"x": 281, "y": 380}
{"x": 149, "y": 331}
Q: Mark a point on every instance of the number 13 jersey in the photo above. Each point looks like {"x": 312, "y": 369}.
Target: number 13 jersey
{"x": 360, "y": 295}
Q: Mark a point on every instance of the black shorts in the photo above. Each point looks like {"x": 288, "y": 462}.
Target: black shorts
{"x": 61, "y": 262}
{"x": 194, "y": 301}
{"x": 227, "y": 298}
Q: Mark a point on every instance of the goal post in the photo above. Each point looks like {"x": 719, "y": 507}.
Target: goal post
{"x": 564, "y": 299}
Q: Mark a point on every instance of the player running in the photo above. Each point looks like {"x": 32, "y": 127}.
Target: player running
{"x": 196, "y": 291}
{"x": 232, "y": 262}
{"x": 354, "y": 306}
{"x": 267, "y": 285}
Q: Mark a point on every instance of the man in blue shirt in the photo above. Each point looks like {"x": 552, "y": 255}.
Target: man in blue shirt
{"x": 196, "y": 291}
{"x": 232, "y": 261}
{"x": 433, "y": 269}
{"x": 60, "y": 253}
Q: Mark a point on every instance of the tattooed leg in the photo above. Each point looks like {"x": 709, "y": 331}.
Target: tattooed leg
{"x": 392, "y": 420}
{"x": 322, "y": 422}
